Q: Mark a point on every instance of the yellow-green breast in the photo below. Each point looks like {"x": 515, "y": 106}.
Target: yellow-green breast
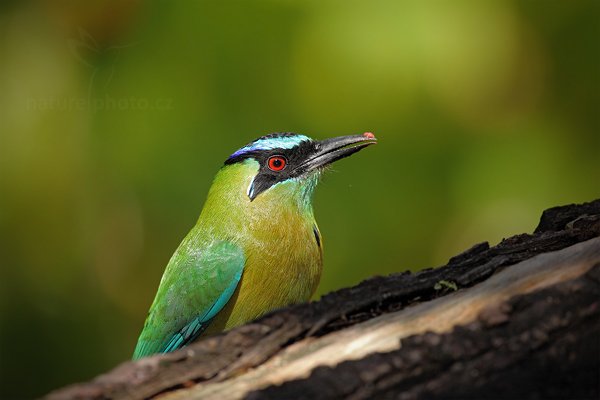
{"x": 278, "y": 234}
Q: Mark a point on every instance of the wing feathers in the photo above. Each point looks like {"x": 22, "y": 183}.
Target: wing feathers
{"x": 196, "y": 285}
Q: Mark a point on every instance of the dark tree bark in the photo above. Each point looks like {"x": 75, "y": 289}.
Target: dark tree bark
{"x": 517, "y": 320}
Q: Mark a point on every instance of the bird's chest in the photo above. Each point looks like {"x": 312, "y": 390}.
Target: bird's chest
{"x": 286, "y": 258}
{"x": 283, "y": 267}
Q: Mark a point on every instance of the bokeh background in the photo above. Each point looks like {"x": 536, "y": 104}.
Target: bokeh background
{"x": 115, "y": 115}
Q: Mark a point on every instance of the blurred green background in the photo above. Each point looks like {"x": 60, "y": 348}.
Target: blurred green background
{"x": 115, "y": 115}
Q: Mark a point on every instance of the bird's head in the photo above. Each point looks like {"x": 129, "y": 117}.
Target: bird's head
{"x": 278, "y": 169}
{"x": 282, "y": 158}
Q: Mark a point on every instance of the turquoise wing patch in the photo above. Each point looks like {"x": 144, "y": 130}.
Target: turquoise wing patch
{"x": 192, "y": 330}
{"x": 196, "y": 285}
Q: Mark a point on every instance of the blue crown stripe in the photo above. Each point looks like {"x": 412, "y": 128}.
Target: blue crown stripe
{"x": 270, "y": 143}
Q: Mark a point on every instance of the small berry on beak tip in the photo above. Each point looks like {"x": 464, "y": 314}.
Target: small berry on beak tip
{"x": 369, "y": 135}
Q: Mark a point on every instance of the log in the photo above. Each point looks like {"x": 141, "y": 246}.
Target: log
{"x": 516, "y": 320}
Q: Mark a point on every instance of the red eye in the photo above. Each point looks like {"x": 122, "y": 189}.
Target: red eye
{"x": 277, "y": 163}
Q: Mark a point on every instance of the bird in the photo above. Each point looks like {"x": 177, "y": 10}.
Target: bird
{"x": 256, "y": 246}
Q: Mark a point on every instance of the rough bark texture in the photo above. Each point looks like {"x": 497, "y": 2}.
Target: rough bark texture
{"x": 505, "y": 357}
{"x": 540, "y": 341}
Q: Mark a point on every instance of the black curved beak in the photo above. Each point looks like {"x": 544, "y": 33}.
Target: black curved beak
{"x": 330, "y": 150}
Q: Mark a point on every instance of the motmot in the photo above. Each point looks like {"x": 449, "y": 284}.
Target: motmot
{"x": 256, "y": 246}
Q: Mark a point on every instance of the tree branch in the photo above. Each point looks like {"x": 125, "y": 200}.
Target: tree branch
{"x": 523, "y": 322}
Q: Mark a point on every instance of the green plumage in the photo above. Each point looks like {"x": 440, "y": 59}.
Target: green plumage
{"x": 248, "y": 253}
{"x": 195, "y": 279}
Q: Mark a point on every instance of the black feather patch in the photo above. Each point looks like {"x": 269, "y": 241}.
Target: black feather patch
{"x": 317, "y": 236}
{"x": 295, "y": 158}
